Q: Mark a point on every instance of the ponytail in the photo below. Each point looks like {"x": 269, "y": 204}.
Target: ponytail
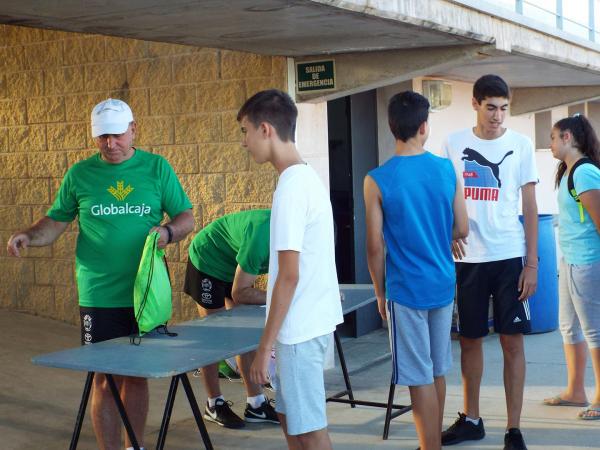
{"x": 584, "y": 139}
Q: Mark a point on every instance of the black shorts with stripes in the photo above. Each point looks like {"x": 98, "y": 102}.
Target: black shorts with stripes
{"x": 475, "y": 283}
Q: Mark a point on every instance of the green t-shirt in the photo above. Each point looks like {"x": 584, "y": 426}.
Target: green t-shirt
{"x": 239, "y": 238}
{"x": 117, "y": 204}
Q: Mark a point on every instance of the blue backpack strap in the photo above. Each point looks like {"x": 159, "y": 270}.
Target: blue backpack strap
{"x": 571, "y": 184}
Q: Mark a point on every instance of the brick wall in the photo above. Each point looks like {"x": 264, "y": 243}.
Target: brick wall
{"x": 184, "y": 99}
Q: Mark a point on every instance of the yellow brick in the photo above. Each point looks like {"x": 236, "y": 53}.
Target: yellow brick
{"x": 12, "y": 112}
{"x": 154, "y": 131}
{"x": 206, "y": 189}
{"x": 177, "y": 272}
{"x": 8, "y": 296}
{"x": 100, "y": 77}
{"x": 165, "y": 49}
{"x": 43, "y": 55}
{"x": 184, "y": 244}
{"x": 64, "y": 80}
{"x": 14, "y": 35}
{"x": 237, "y": 207}
{"x": 3, "y": 91}
{"x": 120, "y": 49}
{"x": 75, "y": 157}
{"x": 137, "y": 99}
{"x": 38, "y": 252}
{"x": 172, "y": 253}
{"x": 7, "y": 192}
{"x": 231, "y": 127}
{"x": 66, "y": 304}
{"x": 195, "y": 67}
{"x": 54, "y": 271}
{"x": 63, "y": 136}
{"x": 27, "y": 139}
{"x": 55, "y": 35}
{"x": 11, "y": 59}
{"x": 183, "y": 158}
{"x": 212, "y": 212}
{"x": 47, "y": 164}
{"x": 32, "y": 192}
{"x": 86, "y": 50}
{"x": 25, "y": 84}
{"x": 14, "y": 218}
{"x": 14, "y": 165}
{"x": 37, "y": 299}
{"x": 4, "y": 140}
{"x": 222, "y": 158}
{"x": 220, "y": 96}
{"x": 279, "y": 66}
{"x": 149, "y": 73}
{"x": 79, "y": 107}
{"x": 173, "y": 100}
{"x": 255, "y": 85}
{"x": 17, "y": 270}
{"x": 239, "y": 65}
{"x": 251, "y": 187}
{"x": 64, "y": 246}
{"x": 45, "y": 109}
{"x": 197, "y": 128}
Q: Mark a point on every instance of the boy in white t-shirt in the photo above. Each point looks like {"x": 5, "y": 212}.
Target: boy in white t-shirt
{"x": 303, "y": 301}
{"x": 500, "y": 258}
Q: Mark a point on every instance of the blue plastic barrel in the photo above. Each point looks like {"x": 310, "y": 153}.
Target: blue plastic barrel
{"x": 543, "y": 305}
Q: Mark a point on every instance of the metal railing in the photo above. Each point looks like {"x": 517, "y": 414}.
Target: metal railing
{"x": 556, "y": 17}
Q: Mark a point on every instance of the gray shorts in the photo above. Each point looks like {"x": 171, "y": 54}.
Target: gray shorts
{"x": 300, "y": 385}
{"x": 579, "y": 307}
{"x": 420, "y": 341}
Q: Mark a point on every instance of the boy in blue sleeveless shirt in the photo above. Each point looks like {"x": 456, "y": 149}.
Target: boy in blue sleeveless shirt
{"x": 415, "y": 208}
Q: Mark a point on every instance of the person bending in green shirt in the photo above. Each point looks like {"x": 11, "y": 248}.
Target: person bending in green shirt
{"x": 118, "y": 196}
{"x": 225, "y": 258}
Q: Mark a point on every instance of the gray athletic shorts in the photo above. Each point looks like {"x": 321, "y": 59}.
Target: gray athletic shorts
{"x": 420, "y": 342}
{"x": 579, "y": 307}
{"x": 300, "y": 385}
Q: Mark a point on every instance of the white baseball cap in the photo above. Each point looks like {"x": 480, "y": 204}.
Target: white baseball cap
{"x": 111, "y": 116}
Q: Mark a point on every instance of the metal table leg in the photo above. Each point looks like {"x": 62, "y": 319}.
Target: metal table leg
{"x": 197, "y": 415}
{"x": 87, "y": 387}
{"x": 122, "y": 412}
{"x": 164, "y": 426}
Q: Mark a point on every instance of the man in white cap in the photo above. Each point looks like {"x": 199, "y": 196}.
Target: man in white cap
{"x": 119, "y": 195}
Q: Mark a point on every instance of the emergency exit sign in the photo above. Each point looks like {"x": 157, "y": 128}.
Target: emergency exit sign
{"x": 315, "y": 76}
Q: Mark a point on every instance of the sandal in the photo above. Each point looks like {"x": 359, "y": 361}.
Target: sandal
{"x": 558, "y": 401}
{"x": 590, "y": 413}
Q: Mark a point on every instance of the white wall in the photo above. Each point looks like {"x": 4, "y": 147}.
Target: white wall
{"x": 312, "y": 137}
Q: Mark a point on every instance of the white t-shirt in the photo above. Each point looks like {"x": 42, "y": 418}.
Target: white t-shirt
{"x": 493, "y": 172}
{"x": 302, "y": 220}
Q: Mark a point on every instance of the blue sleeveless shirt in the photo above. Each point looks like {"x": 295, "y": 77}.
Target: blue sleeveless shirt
{"x": 417, "y": 195}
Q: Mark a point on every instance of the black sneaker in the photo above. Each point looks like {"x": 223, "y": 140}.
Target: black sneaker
{"x": 513, "y": 440}
{"x": 264, "y": 413}
{"x": 462, "y": 430}
{"x": 221, "y": 414}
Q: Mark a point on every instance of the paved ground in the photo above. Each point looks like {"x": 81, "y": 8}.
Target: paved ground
{"x": 38, "y": 405}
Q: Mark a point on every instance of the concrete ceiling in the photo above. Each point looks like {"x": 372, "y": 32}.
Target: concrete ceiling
{"x": 275, "y": 27}
{"x": 524, "y": 71}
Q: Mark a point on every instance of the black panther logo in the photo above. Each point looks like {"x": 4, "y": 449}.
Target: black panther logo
{"x": 472, "y": 155}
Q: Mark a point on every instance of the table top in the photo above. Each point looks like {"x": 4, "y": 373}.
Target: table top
{"x": 198, "y": 343}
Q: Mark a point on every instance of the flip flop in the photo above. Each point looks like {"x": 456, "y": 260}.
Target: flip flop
{"x": 585, "y": 414}
{"x": 558, "y": 401}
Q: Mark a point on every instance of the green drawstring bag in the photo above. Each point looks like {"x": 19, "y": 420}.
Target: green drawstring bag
{"x": 152, "y": 290}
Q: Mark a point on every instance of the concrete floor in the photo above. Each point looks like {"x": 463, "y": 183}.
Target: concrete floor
{"x": 38, "y": 405}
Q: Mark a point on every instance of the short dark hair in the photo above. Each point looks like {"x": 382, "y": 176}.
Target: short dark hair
{"x": 274, "y": 107}
{"x": 406, "y": 113}
{"x": 490, "y": 86}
